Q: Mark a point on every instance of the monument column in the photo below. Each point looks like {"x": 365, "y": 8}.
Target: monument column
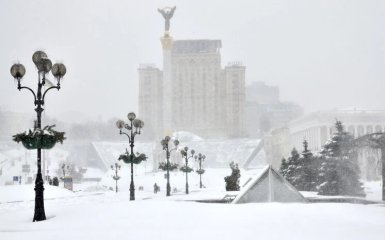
{"x": 166, "y": 41}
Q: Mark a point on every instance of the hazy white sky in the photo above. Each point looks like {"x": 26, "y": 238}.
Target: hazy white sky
{"x": 323, "y": 54}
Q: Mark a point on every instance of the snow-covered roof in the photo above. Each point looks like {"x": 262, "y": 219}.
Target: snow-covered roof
{"x": 109, "y": 152}
{"x": 184, "y": 136}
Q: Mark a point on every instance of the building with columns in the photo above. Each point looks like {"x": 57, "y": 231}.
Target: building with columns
{"x": 318, "y": 127}
{"x": 193, "y": 92}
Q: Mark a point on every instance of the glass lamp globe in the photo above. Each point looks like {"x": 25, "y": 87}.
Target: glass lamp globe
{"x": 131, "y": 116}
{"x": 17, "y": 71}
{"x": 136, "y": 123}
{"x": 141, "y": 124}
{"x": 58, "y": 70}
{"x": 120, "y": 124}
{"x": 44, "y": 65}
{"x": 37, "y": 56}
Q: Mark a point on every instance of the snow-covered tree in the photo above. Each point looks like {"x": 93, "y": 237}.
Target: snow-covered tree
{"x": 339, "y": 172}
{"x": 232, "y": 181}
{"x": 293, "y": 162}
{"x": 300, "y": 169}
{"x": 306, "y": 170}
{"x": 283, "y": 167}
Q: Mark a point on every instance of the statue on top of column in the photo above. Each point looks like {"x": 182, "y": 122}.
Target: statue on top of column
{"x": 167, "y": 14}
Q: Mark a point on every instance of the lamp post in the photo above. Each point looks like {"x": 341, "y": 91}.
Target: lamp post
{"x": 58, "y": 70}
{"x": 116, "y": 177}
{"x": 63, "y": 167}
{"x": 133, "y": 127}
{"x": 186, "y": 168}
{"x": 165, "y": 145}
{"x": 200, "y": 157}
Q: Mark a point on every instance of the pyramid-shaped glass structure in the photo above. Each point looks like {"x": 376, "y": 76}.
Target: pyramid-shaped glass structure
{"x": 269, "y": 186}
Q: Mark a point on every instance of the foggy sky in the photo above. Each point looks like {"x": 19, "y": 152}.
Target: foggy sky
{"x": 323, "y": 54}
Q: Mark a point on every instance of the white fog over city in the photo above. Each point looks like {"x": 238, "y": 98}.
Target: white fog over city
{"x": 192, "y": 119}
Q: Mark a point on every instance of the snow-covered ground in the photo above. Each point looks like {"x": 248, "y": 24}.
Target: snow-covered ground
{"x": 112, "y": 216}
{"x": 92, "y": 212}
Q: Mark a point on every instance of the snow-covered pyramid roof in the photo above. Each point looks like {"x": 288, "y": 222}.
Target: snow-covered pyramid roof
{"x": 219, "y": 152}
{"x": 184, "y": 136}
{"x": 269, "y": 186}
{"x": 109, "y": 151}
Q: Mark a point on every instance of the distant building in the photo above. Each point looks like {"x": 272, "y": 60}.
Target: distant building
{"x": 318, "y": 127}
{"x": 151, "y": 98}
{"x": 259, "y": 92}
{"x": 193, "y": 93}
{"x": 264, "y": 110}
{"x": 235, "y": 97}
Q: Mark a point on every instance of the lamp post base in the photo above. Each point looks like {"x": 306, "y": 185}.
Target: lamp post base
{"x": 168, "y": 193}
{"x": 132, "y": 191}
{"x": 39, "y": 214}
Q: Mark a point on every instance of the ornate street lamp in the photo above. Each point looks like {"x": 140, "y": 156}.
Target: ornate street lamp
{"x": 133, "y": 127}
{"x": 116, "y": 177}
{"x": 168, "y": 166}
{"x": 200, "y": 157}
{"x": 186, "y": 169}
{"x": 58, "y": 70}
{"x": 63, "y": 167}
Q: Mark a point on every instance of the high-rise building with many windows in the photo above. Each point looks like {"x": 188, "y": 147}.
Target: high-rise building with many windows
{"x": 193, "y": 93}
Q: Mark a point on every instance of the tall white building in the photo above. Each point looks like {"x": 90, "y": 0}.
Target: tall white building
{"x": 151, "y": 98}
{"x": 193, "y": 93}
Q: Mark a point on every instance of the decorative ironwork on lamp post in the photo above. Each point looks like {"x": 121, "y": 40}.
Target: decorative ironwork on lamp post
{"x": 168, "y": 166}
{"x": 116, "y": 177}
{"x": 133, "y": 127}
{"x": 200, "y": 157}
{"x": 186, "y": 168}
{"x": 58, "y": 70}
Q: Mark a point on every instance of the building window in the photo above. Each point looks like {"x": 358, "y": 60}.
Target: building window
{"x": 360, "y": 131}
{"x": 369, "y": 129}
{"x": 352, "y": 130}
